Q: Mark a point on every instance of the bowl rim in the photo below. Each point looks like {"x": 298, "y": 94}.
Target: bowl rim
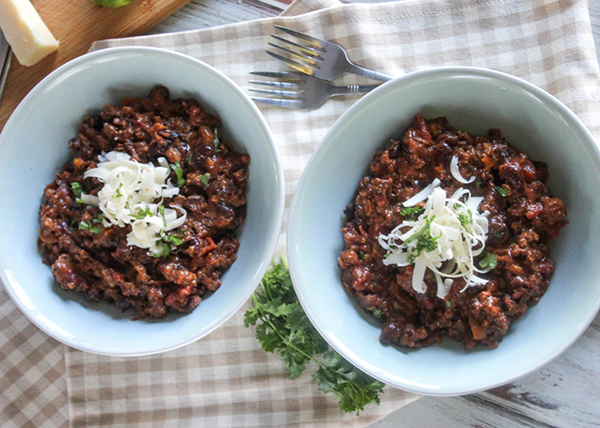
{"x": 292, "y": 249}
{"x": 280, "y": 203}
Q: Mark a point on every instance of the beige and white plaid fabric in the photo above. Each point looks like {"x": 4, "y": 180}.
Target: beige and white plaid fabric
{"x": 225, "y": 379}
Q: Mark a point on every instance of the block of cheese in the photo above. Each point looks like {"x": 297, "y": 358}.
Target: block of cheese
{"x": 28, "y": 36}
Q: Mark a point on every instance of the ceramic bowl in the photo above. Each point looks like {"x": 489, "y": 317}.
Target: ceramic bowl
{"x": 473, "y": 100}
{"x": 33, "y": 147}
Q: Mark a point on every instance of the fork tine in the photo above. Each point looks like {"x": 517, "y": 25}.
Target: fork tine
{"x": 278, "y": 93}
{"x": 308, "y": 60}
{"x": 289, "y": 75}
{"x": 276, "y": 84}
{"x": 295, "y": 65}
{"x": 304, "y": 37}
{"x": 305, "y": 49}
{"x": 280, "y": 103}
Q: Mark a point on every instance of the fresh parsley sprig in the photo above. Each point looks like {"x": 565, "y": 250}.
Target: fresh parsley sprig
{"x": 282, "y": 325}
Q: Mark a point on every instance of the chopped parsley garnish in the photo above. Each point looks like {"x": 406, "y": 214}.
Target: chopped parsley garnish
{"x": 204, "y": 178}
{"x": 77, "y": 190}
{"x": 282, "y": 326}
{"x": 165, "y": 250}
{"x": 378, "y": 314}
{"x": 503, "y": 191}
{"x": 119, "y": 194}
{"x": 412, "y": 212}
{"x": 141, "y": 214}
{"x": 189, "y": 158}
{"x": 94, "y": 228}
{"x": 448, "y": 304}
{"x": 216, "y": 141}
{"x": 174, "y": 239}
{"x": 362, "y": 255}
{"x": 161, "y": 210}
{"x": 488, "y": 260}
{"x": 478, "y": 184}
{"x": 465, "y": 219}
{"x": 179, "y": 173}
{"x": 167, "y": 244}
{"x": 424, "y": 240}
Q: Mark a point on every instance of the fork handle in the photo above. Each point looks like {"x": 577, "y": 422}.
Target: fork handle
{"x": 352, "y": 89}
{"x": 369, "y": 74}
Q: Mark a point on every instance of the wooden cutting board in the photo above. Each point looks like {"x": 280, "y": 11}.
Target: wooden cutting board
{"x": 77, "y": 24}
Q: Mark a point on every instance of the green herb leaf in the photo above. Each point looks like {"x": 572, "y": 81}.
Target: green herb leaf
{"x": 99, "y": 218}
{"x": 174, "y": 239}
{"x": 378, "y": 314}
{"x": 96, "y": 228}
{"x": 478, "y": 184}
{"x": 465, "y": 219}
{"x": 503, "y": 191}
{"x": 161, "y": 211}
{"x": 412, "y": 212}
{"x": 77, "y": 189}
{"x": 424, "y": 240}
{"x": 204, "y": 178}
{"x": 179, "y": 173}
{"x": 282, "y": 326}
{"x": 93, "y": 228}
{"x": 119, "y": 194}
{"x": 488, "y": 260}
{"x": 362, "y": 255}
{"x": 165, "y": 250}
{"x": 141, "y": 214}
{"x": 448, "y": 304}
{"x": 352, "y": 388}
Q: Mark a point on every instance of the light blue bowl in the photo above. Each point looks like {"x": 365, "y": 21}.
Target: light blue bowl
{"x": 33, "y": 147}
{"x": 473, "y": 100}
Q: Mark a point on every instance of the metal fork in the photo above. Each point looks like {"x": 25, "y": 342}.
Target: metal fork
{"x": 301, "y": 91}
{"x": 319, "y": 58}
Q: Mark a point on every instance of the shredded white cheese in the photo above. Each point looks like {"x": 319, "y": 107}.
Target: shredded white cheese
{"x": 133, "y": 193}
{"x": 456, "y": 173}
{"x": 445, "y": 238}
{"x": 422, "y": 195}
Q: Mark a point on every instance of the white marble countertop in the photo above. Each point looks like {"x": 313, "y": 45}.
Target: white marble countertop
{"x": 565, "y": 393}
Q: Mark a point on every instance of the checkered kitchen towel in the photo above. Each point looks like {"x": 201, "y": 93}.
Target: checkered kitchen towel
{"x": 225, "y": 379}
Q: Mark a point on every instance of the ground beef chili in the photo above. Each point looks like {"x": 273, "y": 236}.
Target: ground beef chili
{"x": 523, "y": 219}
{"x": 101, "y": 265}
